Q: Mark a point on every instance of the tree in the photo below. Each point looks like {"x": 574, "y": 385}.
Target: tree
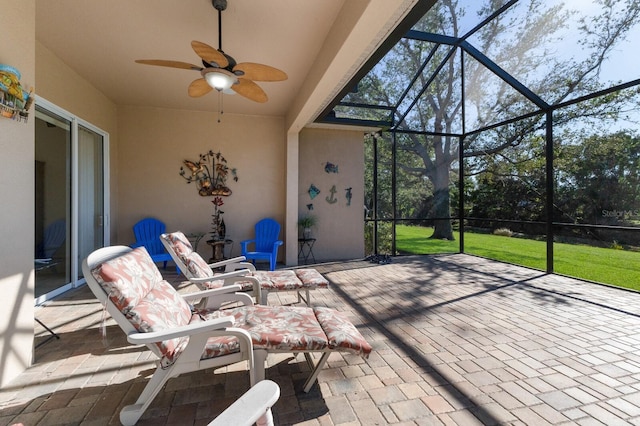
{"x": 521, "y": 41}
{"x": 600, "y": 179}
{"x": 510, "y": 184}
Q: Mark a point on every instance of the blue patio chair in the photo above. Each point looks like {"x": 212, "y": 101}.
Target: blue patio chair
{"x": 265, "y": 243}
{"x": 52, "y": 239}
{"x": 147, "y": 233}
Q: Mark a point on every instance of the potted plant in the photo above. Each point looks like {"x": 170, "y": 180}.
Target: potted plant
{"x": 307, "y": 222}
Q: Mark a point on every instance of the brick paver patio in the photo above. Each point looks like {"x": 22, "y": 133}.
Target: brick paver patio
{"x": 458, "y": 340}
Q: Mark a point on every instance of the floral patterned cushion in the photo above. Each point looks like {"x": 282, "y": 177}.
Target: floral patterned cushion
{"x": 311, "y": 278}
{"x": 291, "y": 328}
{"x": 278, "y": 280}
{"x": 135, "y": 286}
{"x": 197, "y": 267}
{"x": 286, "y": 328}
{"x": 341, "y": 332}
{"x": 180, "y": 244}
{"x": 128, "y": 278}
{"x": 290, "y": 279}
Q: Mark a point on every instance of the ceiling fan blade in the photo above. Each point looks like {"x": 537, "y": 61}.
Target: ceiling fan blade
{"x": 199, "y": 88}
{"x": 171, "y": 64}
{"x": 260, "y": 72}
{"x": 209, "y": 54}
{"x": 250, "y": 90}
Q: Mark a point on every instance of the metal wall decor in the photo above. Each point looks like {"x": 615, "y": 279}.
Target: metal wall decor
{"x": 218, "y": 228}
{"x": 210, "y": 174}
{"x": 313, "y": 191}
{"x": 330, "y": 167}
{"x": 331, "y": 199}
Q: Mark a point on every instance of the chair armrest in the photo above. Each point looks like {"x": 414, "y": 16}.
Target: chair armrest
{"x": 245, "y": 243}
{"x": 228, "y": 289}
{"x": 217, "y": 302}
{"x": 250, "y": 407}
{"x": 215, "y": 298}
{"x": 274, "y": 250}
{"x": 257, "y": 288}
{"x": 240, "y": 265}
{"x": 222, "y": 276}
{"x": 186, "y": 330}
{"x": 227, "y": 262}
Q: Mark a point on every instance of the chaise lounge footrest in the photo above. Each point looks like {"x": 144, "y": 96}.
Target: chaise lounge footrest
{"x": 295, "y": 330}
{"x": 300, "y": 280}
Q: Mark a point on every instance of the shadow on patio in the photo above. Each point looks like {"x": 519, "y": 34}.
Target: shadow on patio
{"x": 457, "y": 340}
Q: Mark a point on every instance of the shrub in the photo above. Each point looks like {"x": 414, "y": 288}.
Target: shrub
{"x": 505, "y": 232}
{"x": 616, "y": 246}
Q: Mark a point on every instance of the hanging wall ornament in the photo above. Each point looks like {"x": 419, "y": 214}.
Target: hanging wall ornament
{"x": 313, "y": 191}
{"x": 210, "y": 174}
{"x": 331, "y": 199}
{"x": 348, "y": 195}
{"x": 331, "y": 168}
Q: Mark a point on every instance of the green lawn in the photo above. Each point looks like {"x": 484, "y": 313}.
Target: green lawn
{"x": 609, "y": 266}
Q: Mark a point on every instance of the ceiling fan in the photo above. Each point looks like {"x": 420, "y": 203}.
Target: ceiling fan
{"x": 220, "y": 71}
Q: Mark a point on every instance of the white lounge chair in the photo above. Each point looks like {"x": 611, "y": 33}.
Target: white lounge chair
{"x": 151, "y": 312}
{"x": 254, "y": 407}
{"x": 197, "y": 271}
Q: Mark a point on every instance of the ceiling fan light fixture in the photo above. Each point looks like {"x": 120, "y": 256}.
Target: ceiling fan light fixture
{"x": 220, "y": 79}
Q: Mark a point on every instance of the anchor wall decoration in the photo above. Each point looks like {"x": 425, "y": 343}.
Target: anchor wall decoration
{"x": 331, "y": 199}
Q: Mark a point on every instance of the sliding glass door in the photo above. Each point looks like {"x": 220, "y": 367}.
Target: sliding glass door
{"x": 70, "y": 202}
{"x": 90, "y": 193}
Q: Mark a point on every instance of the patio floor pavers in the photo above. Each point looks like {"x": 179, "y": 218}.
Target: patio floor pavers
{"x": 457, "y": 340}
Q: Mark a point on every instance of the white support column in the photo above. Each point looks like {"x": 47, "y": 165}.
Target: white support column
{"x": 291, "y": 201}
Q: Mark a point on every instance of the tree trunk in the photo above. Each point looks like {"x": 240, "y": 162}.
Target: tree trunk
{"x": 442, "y": 227}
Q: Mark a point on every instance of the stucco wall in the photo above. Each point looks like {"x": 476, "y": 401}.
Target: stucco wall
{"x": 340, "y": 230}
{"x": 153, "y": 144}
{"x": 17, "y": 49}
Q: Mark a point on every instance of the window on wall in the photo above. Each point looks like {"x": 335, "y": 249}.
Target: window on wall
{"x": 70, "y": 198}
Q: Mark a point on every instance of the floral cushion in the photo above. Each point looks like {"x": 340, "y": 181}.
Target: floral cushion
{"x": 180, "y": 244}
{"x": 341, "y": 332}
{"x": 278, "y": 280}
{"x": 135, "y": 286}
{"x": 197, "y": 267}
{"x": 290, "y": 279}
{"x": 311, "y": 278}
{"x": 220, "y": 345}
{"x": 291, "y": 328}
{"x": 286, "y": 328}
{"x": 128, "y": 278}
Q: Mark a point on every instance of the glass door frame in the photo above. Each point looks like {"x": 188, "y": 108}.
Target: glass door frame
{"x": 76, "y": 122}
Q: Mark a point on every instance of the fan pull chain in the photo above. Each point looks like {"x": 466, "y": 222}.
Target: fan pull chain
{"x": 220, "y": 106}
